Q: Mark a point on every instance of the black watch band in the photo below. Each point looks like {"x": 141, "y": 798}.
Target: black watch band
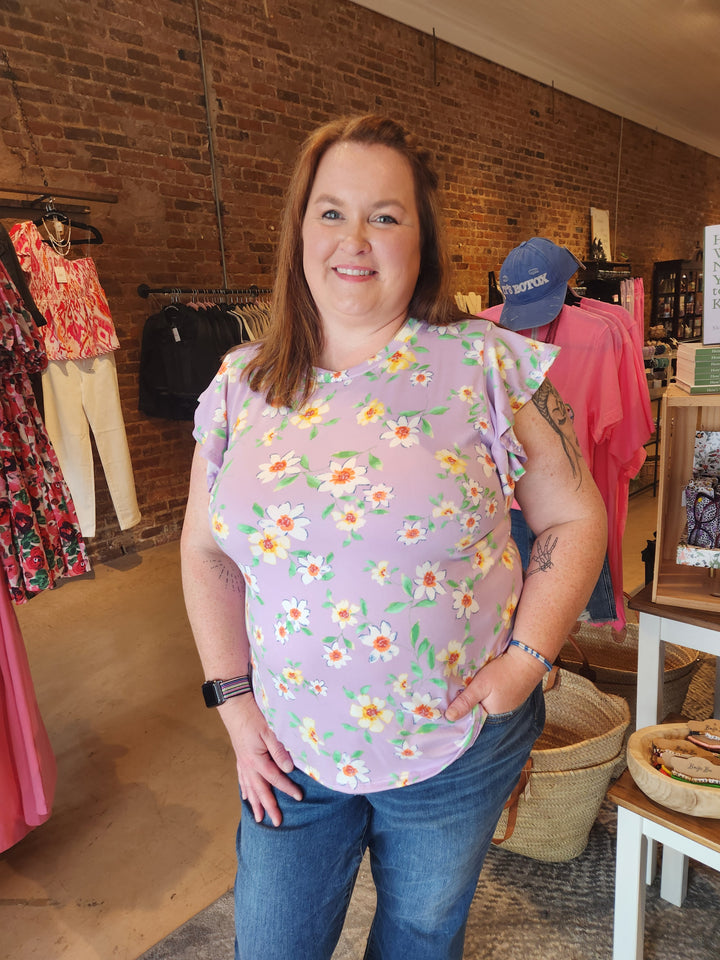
{"x": 216, "y": 692}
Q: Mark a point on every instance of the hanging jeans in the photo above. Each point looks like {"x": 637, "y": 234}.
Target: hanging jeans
{"x": 80, "y": 394}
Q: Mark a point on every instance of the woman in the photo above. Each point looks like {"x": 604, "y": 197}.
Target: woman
{"x": 347, "y": 533}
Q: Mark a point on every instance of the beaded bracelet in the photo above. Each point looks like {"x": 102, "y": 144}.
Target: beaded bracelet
{"x": 533, "y": 653}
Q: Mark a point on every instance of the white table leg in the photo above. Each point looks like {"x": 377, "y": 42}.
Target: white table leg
{"x": 629, "y": 921}
{"x": 651, "y": 671}
{"x": 674, "y": 878}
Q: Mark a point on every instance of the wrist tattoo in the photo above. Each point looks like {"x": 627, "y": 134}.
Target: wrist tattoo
{"x": 542, "y": 556}
{"x": 557, "y": 413}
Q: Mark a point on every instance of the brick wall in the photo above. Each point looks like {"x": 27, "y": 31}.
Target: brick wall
{"x": 113, "y": 93}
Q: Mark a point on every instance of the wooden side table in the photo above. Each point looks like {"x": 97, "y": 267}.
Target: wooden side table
{"x": 641, "y": 821}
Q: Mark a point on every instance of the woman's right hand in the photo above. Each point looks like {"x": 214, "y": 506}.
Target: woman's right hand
{"x": 262, "y": 761}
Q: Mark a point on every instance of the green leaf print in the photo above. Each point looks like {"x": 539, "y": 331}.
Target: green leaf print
{"x": 414, "y": 633}
{"x": 258, "y": 510}
{"x": 431, "y": 657}
{"x": 407, "y": 584}
{"x": 375, "y": 462}
{"x": 367, "y": 736}
{"x": 423, "y": 647}
{"x": 349, "y": 694}
{"x": 417, "y": 670}
{"x": 328, "y": 510}
{"x": 426, "y": 603}
{"x": 344, "y": 454}
{"x": 304, "y": 462}
{"x": 313, "y": 432}
{"x": 395, "y": 607}
{"x": 312, "y": 481}
{"x": 426, "y": 428}
{"x": 292, "y": 569}
{"x": 363, "y": 607}
{"x": 286, "y": 481}
{"x": 244, "y": 528}
{"x": 438, "y": 411}
{"x": 426, "y": 728}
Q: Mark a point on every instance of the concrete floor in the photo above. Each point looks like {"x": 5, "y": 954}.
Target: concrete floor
{"x": 142, "y": 832}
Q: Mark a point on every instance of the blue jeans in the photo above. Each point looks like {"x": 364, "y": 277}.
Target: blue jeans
{"x": 427, "y": 843}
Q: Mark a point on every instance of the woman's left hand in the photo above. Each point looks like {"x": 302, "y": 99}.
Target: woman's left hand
{"x": 500, "y": 686}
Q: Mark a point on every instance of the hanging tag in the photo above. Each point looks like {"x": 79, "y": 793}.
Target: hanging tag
{"x": 176, "y": 334}
{"x": 60, "y": 273}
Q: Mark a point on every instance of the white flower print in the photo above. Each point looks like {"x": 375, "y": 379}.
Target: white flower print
{"x": 339, "y": 376}
{"x": 379, "y": 496}
{"x": 313, "y": 568}
{"x": 477, "y": 351}
{"x": 219, "y": 527}
{"x": 350, "y": 519}
{"x": 240, "y": 422}
{"x": 402, "y": 779}
{"x": 309, "y": 733}
{"x": 336, "y": 656}
{"x": 427, "y": 580}
{"x": 372, "y": 713}
{"x": 482, "y": 425}
{"x": 473, "y": 491}
{"x": 312, "y": 772}
{"x": 422, "y": 378}
{"x": 318, "y": 687}
{"x": 220, "y": 413}
{"x": 249, "y": 577}
{"x": 272, "y": 412}
{"x": 283, "y": 688}
{"x": 268, "y": 437}
{"x": 422, "y": 707}
{"x": 447, "y": 508}
{"x": 467, "y": 394}
{"x": 269, "y": 545}
{"x": 491, "y": 507}
{"x": 484, "y": 458}
{"x": 400, "y": 684}
{"x": 344, "y": 613}
{"x": 297, "y": 612}
{"x": 351, "y": 770}
{"x": 411, "y": 533}
{"x": 382, "y": 641}
{"x": 464, "y": 601}
{"x": 469, "y": 522}
{"x": 286, "y": 520}
{"x": 279, "y": 466}
{"x": 342, "y": 478}
{"x": 407, "y": 750}
{"x": 258, "y": 635}
{"x": 282, "y": 634}
{"x": 381, "y": 572}
{"x": 453, "y": 657}
{"x": 402, "y": 432}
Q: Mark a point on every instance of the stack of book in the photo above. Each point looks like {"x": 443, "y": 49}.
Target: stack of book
{"x": 698, "y": 367}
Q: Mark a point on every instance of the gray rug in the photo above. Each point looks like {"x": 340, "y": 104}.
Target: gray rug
{"x": 524, "y": 909}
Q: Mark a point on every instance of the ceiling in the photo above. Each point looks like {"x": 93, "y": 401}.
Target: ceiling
{"x": 655, "y": 62}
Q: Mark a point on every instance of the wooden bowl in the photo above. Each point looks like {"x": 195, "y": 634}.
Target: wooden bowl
{"x": 690, "y": 798}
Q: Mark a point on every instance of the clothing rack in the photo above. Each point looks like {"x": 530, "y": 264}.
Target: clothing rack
{"x": 144, "y": 291}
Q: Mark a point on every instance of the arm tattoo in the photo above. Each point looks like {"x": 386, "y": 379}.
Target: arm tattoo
{"x": 552, "y": 407}
{"x": 229, "y": 574}
{"x": 542, "y": 555}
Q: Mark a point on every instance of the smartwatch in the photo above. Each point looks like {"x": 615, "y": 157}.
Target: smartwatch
{"x": 216, "y": 692}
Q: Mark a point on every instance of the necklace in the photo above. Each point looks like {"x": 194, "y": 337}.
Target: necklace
{"x": 61, "y": 247}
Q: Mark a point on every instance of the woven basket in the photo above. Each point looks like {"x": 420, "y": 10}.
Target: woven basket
{"x": 611, "y": 663}
{"x": 572, "y": 764}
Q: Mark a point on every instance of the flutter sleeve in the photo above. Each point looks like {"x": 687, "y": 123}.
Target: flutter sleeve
{"x": 514, "y": 367}
{"x": 211, "y": 419}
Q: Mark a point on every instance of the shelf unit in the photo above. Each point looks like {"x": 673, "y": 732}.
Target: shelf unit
{"x": 677, "y": 298}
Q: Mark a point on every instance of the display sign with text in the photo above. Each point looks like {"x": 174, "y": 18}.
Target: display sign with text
{"x": 711, "y": 277}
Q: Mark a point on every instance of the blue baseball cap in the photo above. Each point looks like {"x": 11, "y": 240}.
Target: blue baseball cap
{"x": 533, "y": 280}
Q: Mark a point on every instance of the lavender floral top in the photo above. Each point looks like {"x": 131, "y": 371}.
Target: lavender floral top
{"x": 372, "y": 530}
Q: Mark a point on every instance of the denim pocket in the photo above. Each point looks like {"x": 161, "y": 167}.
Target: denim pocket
{"x": 535, "y": 703}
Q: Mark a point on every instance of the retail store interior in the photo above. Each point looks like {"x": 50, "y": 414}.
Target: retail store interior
{"x": 148, "y": 149}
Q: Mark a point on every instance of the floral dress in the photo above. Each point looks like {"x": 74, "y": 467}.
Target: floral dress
{"x": 372, "y": 529}
{"x": 40, "y": 540}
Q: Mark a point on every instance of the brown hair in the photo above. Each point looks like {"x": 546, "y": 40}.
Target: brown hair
{"x": 282, "y": 368}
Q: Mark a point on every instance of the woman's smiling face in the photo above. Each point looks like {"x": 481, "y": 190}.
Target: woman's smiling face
{"x": 361, "y": 237}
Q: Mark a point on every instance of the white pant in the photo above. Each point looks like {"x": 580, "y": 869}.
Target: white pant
{"x": 80, "y": 394}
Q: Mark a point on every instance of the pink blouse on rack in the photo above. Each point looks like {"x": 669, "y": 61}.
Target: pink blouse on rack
{"x": 69, "y": 294}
